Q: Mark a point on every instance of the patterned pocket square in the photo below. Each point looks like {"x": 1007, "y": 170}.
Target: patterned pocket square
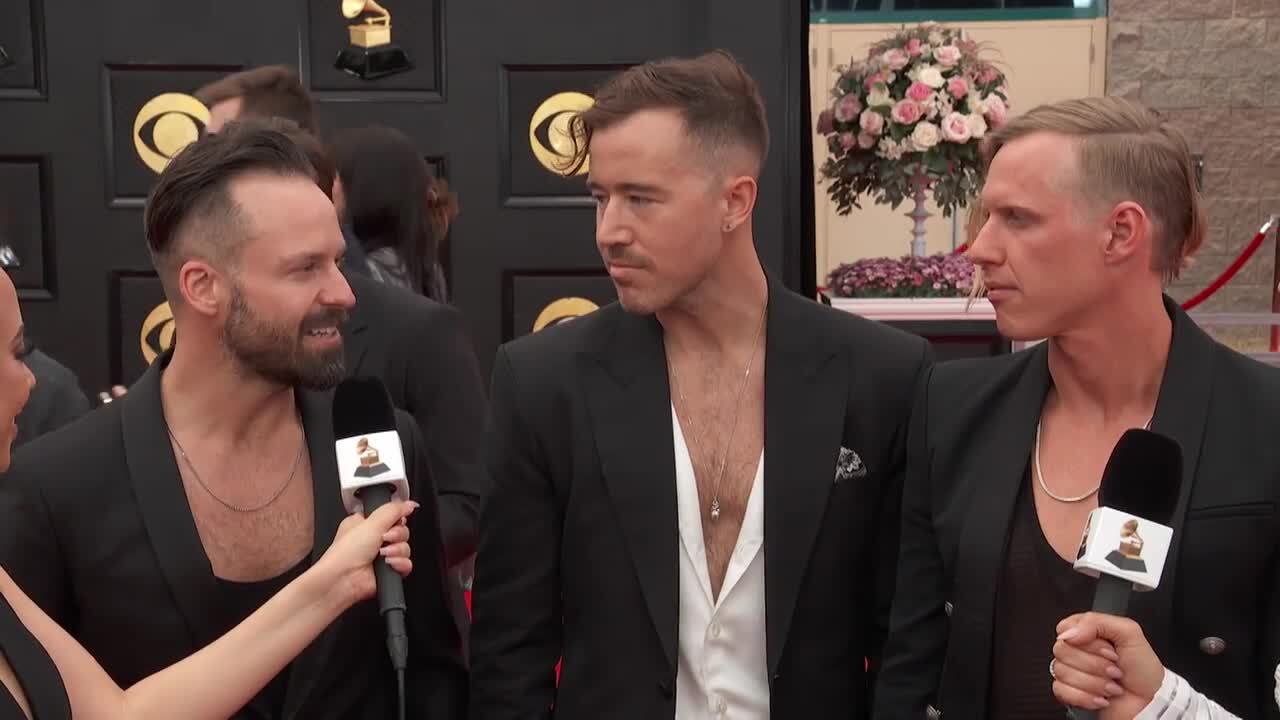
{"x": 849, "y": 465}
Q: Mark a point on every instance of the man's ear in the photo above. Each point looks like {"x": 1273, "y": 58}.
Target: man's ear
{"x": 1127, "y": 230}
{"x": 739, "y": 201}
{"x": 202, "y": 286}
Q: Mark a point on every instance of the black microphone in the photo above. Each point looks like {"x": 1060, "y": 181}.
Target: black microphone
{"x": 1127, "y": 537}
{"x": 371, "y": 472}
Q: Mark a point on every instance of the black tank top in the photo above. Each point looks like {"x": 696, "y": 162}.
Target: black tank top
{"x": 239, "y": 601}
{"x": 1037, "y": 590}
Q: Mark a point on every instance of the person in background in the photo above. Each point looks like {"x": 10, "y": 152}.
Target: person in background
{"x": 382, "y": 193}
{"x": 56, "y": 399}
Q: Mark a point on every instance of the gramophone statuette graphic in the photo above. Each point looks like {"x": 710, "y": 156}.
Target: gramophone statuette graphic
{"x": 371, "y": 54}
{"x": 370, "y": 464}
{"x": 1129, "y": 555}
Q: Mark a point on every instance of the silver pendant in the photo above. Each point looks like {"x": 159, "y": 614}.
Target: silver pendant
{"x": 715, "y": 509}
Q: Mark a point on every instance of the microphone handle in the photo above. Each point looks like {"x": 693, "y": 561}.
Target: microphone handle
{"x": 390, "y": 585}
{"x": 1111, "y": 597}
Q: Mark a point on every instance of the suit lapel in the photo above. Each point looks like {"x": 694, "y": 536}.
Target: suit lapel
{"x": 804, "y": 411}
{"x": 629, "y": 399}
{"x": 162, "y": 503}
{"x": 305, "y": 672}
{"x": 1181, "y": 412}
{"x": 1002, "y": 448}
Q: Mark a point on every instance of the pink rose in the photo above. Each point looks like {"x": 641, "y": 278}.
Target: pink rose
{"x": 872, "y": 79}
{"x": 895, "y": 58}
{"x": 847, "y": 108}
{"x": 871, "y": 122}
{"x": 919, "y": 91}
{"x": 997, "y": 113}
{"x": 958, "y": 87}
{"x": 826, "y": 123}
{"x": 847, "y": 141}
{"x": 955, "y": 128}
{"x": 907, "y": 112}
{"x": 914, "y": 47}
{"x": 865, "y": 141}
{"x": 988, "y": 75}
{"x": 947, "y": 55}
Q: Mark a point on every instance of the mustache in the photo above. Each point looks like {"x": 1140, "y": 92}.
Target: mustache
{"x": 325, "y": 318}
{"x": 619, "y": 258}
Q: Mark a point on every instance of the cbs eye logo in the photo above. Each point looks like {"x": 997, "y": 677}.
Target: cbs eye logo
{"x": 550, "y": 136}
{"x": 166, "y": 124}
{"x": 156, "y": 335}
{"x": 563, "y": 310}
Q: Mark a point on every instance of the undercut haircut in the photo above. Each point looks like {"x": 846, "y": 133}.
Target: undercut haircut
{"x": 268, "y": 91}
{"x": 714, "y": 94}
{"x": 1125, "y": 152}
{"x": 191, "y": 213}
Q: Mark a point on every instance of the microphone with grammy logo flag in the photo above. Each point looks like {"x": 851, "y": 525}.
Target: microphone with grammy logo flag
{"x": 1127, "y": 538}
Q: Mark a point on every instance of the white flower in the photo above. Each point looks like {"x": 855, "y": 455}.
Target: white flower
{"x": 976, "y": 105}
{"x": 955, "y": 128}
{"x": 935, "y": 38}
{"x": 889, "y": 149}
{"x": 932, "y": 77}
{"x": 947, "y": 55}
{"x": 871, "y": 122}
{"x": 977, "y": 125}
{"x": 925, "y": 136}
{"x": 879, "y": 96}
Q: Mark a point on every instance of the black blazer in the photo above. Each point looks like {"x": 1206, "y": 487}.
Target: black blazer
{"x": 97, "y": 530}
{"x": 972, "y": 433}
{"x": 579, "y": 546}
{"x": 421, "y": 351}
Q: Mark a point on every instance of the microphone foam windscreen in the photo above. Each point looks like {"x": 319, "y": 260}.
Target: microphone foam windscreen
{"x": 361, "y": 405}
{"x": 1143, "y": 476}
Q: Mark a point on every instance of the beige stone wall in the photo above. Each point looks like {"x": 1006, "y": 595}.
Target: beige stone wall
{"x": 1213, "y": 66}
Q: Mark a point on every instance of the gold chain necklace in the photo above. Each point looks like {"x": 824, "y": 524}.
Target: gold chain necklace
{"x": 715, "y": 497}
{"x": 236, "y": 508}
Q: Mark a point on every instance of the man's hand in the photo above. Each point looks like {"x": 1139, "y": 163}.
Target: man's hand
{"x": 1103, "y": 662}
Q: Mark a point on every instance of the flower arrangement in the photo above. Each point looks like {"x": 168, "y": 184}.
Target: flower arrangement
{"x": 949, "y": 275}
{"x": 910, "y": 117}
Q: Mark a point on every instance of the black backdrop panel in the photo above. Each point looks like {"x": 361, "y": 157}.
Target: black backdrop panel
{"x": 144, "y": 322}
{"x": 458, "y": 103}
{"x": 149, "y": 99}
{"x": 21, "y": 42}
{"x": 535, "y": 102}
{"x": 540, "y": 300}
{"x": 416, "y": 28}
{"x": 26, "y": 224}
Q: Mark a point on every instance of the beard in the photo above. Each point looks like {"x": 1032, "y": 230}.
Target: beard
{"x": 275, "y": 352}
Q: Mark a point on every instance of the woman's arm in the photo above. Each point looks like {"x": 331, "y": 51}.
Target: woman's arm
{"x": 223, "y": 677}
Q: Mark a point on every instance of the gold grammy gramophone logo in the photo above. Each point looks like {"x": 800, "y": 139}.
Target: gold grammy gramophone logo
{"x": 156, "y": 335}
{"x": 550, "y": 132}
{"x": 370, "y": 54}
{"x": 166, "y": 124}
{"x": 564, "y": 309}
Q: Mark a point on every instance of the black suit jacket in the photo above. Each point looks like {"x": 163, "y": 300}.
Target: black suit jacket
{"x": 579, "y": 540}
{"x": 972, "y": 433}
{"x": 97, "y": 530}
{"x": 420, "y": 350}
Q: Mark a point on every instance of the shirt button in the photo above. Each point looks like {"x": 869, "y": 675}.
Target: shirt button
{"x": 715, "y": 630}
